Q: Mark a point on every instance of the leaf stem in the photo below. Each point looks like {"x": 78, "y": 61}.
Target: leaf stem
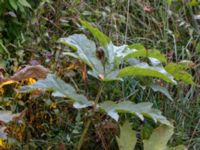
{"x": 98, "y": 95}
{"x": 81, "y": 141}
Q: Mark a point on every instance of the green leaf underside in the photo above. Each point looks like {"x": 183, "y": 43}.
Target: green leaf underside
{"x": 179, "y": 73}
{"x": 7, "y": 116}
{"x": 60, "y": 89}
{"x": 163, "y": 90}
{"x": 144, "y": 69}
{"x": 127, "y": 139}
{"x": 87, "y": 53}
{"x": 3, "y": 134}
{"x": 141, "y": 110}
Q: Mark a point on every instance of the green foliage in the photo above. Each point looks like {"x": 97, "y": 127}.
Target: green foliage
{"x": 157, "y": 141}
{"x": 102, "y": 38}
{"x": 104, "y": 68}
{"x": 60, "y": 89}
{"x": 163, "y": 90}
{"x": 198, "y": 48}
{"x": 56, "y": 19}
{"x": 85, "y": 52}
{"x": 143, "y": 69}
{"x": 178, "y": 71}
{"x": 193, "y": 3}
{"x": 15, "y": 15}
{"x": 141, "y": 51}
{"x": 107, "y": 67}
{"x": 140, "y": 110}
{"x": 127, "y": 139}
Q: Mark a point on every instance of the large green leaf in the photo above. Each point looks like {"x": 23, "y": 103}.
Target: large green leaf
{"x": 143, "y": 69}
{"x": 127, "y": 138}
{"x": 159, "y": 139}
{"x": 60, "y": 89}
{"x": 140, "y": 110}
{"x": 112, "y": 52}
{"x": 85, "y": 50}
{"x": 179, "y": 73}
{"x": 140, "y": 51}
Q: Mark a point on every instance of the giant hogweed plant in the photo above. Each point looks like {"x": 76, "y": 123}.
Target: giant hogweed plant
{"x": 108, "y": 63}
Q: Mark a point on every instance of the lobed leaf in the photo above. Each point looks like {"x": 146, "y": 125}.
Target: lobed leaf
{"x": 143, "y": 69}
{"x": 86, "y": 51}
{"x": 127, "y": 139}
{"x": 60, "y": 89}
{"x": 159, "y": 139}
{"x": 140, "y": 110}
{"x": 179, "y": 73}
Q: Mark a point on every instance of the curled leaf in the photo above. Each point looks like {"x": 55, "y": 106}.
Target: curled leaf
{"x": 37, "y": 72}
{"x": 141, "y": 110}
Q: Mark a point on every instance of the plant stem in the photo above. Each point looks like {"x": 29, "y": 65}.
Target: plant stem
{"x": 98, "y": 95}
{"x": 81, "y": 141}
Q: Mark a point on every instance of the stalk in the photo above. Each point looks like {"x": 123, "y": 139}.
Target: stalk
{"x": 81, "y": 141}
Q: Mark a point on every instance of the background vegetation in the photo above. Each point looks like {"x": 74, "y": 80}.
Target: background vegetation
{"x": 29, "y": 34}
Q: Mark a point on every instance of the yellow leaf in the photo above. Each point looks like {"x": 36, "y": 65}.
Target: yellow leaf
{"x": 7, "y": 83}
{"x": 72, "y": 66}
{"x": 53, "y": 105}
{"x": 31, "y": 81}
{"x": 2, "y": 144}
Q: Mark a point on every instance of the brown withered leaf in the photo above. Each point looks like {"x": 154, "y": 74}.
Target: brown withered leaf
{"x": 36, "y": 72}
{"x": 148, "y": 9}
{"x": 84, "y": 72}
{"x": 20, "y": 115}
